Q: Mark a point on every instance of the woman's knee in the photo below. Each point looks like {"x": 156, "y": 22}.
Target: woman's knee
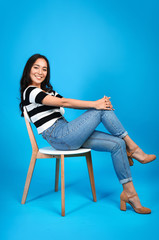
{"x": 119, "y": 143}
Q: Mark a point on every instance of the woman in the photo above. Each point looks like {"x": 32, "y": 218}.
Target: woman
{"x": 43, "y": 106}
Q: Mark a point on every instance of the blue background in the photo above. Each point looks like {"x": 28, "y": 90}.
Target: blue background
{"x": 95, "y": 48}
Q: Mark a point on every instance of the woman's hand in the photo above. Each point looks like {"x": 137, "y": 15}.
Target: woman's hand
{"x": 104, "y": 104}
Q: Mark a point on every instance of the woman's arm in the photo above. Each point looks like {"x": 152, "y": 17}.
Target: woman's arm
{"x": 103, "y": 103}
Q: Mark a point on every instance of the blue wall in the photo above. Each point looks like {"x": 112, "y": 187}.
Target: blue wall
{"x": 95, "y": 48}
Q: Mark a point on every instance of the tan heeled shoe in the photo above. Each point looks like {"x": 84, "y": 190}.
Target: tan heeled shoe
{"x": 149, "y": 158}
{"x": 125, "y": 199}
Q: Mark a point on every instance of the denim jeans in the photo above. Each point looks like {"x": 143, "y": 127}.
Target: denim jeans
{"x": 63, "y": 135}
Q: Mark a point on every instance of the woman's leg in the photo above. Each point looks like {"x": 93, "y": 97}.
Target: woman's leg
{"x": 76, "y": 132}
{"x": 100, "y": 141}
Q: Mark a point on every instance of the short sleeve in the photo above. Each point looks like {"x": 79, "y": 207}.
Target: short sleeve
{"x": 58, "y": 95}
{"x": 34, "y": 95}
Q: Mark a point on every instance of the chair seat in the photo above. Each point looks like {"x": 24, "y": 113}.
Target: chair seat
{"x": 52, "y": 151}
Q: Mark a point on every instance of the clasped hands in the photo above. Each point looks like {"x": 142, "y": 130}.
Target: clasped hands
{"x": 104, "y": 104}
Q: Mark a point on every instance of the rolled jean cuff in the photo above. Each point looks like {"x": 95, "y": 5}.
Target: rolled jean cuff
{"x": 124, "y": 134}
{"x": 126, "y": 180}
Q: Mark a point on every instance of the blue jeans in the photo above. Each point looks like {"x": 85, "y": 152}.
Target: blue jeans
{"x": 63, "y": 135}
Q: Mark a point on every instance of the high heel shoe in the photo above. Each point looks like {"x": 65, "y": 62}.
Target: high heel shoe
{"x": 125, "y": 199}
{"x": 147, "y": 159}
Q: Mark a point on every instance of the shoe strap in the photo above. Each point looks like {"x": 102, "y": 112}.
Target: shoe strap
{"x": 135, "y": 194}
{"x": 131, "y": 152}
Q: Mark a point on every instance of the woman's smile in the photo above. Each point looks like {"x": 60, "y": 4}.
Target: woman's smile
{"x": 38, "y": 77}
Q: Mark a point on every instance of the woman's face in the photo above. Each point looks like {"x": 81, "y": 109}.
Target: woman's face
{"x": 38, "y": 72}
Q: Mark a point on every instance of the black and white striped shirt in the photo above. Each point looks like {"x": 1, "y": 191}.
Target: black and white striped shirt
{"x": 42, "y": 116}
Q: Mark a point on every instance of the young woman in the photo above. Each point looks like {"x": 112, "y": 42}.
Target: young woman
{"x": 43, "y": 106}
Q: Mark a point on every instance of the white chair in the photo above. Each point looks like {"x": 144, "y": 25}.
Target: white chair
{"x": 49, "y": 152}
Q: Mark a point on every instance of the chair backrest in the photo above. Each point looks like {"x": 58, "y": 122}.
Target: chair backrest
{"x": 30, "y": 131}
{"x": 26, "y": 114}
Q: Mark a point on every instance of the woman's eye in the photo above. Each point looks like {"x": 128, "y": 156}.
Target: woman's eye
{"x": 44, "y": 70}
{"x": 36, "y": 67}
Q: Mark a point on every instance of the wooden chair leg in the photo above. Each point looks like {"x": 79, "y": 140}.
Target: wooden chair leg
{"x": 57, "y": 174}
{"x": 28, "y": 178}
{"x": 62, "y": 186}
{"x": 91, "y": 176}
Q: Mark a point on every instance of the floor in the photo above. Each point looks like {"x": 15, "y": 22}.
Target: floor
{"x": 40, "y": 217}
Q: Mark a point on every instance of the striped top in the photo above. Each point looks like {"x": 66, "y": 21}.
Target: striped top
{"x": 41, "y": 115}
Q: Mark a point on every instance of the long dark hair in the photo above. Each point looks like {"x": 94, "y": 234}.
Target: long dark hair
{"x": 26, "y": 80}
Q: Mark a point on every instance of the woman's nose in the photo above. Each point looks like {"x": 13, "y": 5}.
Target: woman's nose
{"x": 40, "y": 71}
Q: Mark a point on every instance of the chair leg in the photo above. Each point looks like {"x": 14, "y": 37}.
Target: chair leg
{"x": 62, "y": 186}
{"x": 28, "y": 178}
{"x": 57, "y": 174}
{"x": 91, "y": 176}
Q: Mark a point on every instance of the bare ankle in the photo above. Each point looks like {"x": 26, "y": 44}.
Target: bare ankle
{"x": 130, "y": 144}
{"x": 129, "y": 188}
{"x": 130, "y": 192}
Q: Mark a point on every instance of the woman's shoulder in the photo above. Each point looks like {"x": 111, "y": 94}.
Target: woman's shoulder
{"x": 31, "y": 90}
{"x": 31, "y": 87}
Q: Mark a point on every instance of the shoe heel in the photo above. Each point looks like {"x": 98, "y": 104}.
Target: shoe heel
{"x": 131, "y": 162}
{"x": 122, "y": 205}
